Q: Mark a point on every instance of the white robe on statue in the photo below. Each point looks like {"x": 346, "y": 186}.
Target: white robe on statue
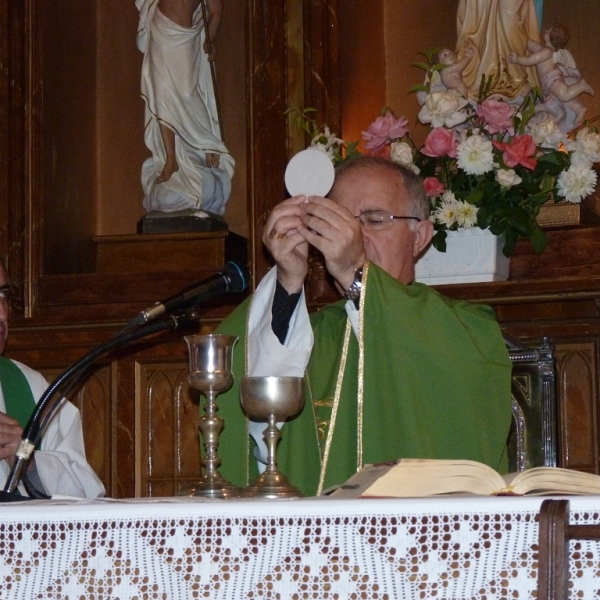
{"x": 178, "y": 91}
{"x": 61, "y": 463}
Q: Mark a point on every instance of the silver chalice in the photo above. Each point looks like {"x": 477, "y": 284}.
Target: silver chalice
{"x": 210, "y": 358}
{"x": 273, "y": 399}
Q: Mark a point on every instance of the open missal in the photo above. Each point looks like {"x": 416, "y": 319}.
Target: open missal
{"x": 413, "y": 477}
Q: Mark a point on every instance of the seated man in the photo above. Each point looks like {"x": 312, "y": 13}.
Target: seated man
{"x": 60, "y": 466}
{"x": 395, "y": 370}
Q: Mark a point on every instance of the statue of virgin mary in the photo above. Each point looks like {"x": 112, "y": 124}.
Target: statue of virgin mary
{"x": 494, "y": 28}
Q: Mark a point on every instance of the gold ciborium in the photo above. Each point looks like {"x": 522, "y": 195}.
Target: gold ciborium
{"x": 210, "y": 358}
{"x": 274, "y": 399}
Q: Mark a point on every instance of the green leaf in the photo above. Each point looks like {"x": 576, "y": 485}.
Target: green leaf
{"x": 419, "y": 87}
{"x": 421, "y": 65}
{"x": 539, "y": 240}
{"x": 484, "y": 217}
{"x": 509, "y": 247}
{"x": 439, "y": 241}
{"x": 475, "y": 196}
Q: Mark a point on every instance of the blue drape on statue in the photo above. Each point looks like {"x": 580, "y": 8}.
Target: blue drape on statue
{"x": 539, "y": 11}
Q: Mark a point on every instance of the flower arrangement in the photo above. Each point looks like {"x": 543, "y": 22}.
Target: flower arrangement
{"x": 488, "y": 163}
{"x": 321, "y": 137}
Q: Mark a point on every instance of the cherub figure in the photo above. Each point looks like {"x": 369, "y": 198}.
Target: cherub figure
{"x": 451, "y": 74}
{"x": 553, "y": 81}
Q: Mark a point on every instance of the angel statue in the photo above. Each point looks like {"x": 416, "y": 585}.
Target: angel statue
{"x": 559, "y": 77}
{"x": 190, "y": 167}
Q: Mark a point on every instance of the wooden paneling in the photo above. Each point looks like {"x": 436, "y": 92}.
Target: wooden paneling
{"x": 169, "y": 411}
{"x": 577, "y": 364}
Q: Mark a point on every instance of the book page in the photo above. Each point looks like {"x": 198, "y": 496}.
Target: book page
{"x": 554, "y": 480}
{"x": 428, "y": 477}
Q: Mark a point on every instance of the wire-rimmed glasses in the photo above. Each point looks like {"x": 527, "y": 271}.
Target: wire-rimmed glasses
{"x": 380, "y": 219}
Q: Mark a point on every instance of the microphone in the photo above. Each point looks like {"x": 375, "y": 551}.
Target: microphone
{"x": 232, "y": 278}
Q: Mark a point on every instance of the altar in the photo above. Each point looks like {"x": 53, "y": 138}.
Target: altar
{"x": 318, "y": 548}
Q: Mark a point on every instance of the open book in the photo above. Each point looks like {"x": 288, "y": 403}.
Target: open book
{"x": 412, "y": 477}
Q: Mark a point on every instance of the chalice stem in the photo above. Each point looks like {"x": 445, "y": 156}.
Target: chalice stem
{"x": 272, "y": 437}
{"x": 211, "y": 426}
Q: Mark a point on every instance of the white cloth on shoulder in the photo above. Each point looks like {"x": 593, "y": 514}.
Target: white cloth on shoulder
{"x": 61, "y": 462}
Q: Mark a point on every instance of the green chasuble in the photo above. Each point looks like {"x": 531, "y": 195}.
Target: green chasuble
{"x": 18, "y": 399}
{"x": 433, "y": 382}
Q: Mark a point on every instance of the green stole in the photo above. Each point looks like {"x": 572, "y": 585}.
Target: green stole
{"x": 433, "y": 381}
{"x": 18, "y": 398}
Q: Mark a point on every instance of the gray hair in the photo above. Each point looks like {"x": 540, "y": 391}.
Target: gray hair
{"x": 418, "y": 202}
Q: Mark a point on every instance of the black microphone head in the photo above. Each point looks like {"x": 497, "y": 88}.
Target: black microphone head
{"x": 238, "y": 277}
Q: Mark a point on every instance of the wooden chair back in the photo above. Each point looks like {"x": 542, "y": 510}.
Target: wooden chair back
{"x": 555, "y": 531}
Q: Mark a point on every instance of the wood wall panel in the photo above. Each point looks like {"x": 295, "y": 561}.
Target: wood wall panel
{"x": 578, "y": 393}
{"x": 169, "y": 413}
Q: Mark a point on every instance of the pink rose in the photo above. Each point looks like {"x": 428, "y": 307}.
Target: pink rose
{"x": 433, "y": 186}
{"x": 440, "y": 142}
{"x": 497, "y": 115}
{"x": 383, "y": 130}
{"x": 518, "y": 151}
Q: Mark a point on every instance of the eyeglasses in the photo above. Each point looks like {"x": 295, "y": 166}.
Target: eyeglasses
{"x": 379, "y": 219}
{"x": 5, "y": 294}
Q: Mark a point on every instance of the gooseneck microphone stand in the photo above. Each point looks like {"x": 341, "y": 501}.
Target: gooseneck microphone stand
{"x": 32, "y": 429}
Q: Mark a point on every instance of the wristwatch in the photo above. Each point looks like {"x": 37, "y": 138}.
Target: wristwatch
{"x": 353, "y": 292}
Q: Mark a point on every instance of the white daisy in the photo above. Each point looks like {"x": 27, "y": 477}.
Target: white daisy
{"x": 447, "y": 211}
{"x": 577, "y": 182}
{"x": 474, "y": 155}
{"x": 466, "y": 215}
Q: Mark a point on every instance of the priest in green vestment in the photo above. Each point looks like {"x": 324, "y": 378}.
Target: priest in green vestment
{"x": 393, "y": 370}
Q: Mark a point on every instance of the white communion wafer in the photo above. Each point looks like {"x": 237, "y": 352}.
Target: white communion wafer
{"x": 310, "y": 172}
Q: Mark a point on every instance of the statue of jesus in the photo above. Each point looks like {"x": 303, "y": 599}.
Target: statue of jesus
{"x": 190, "y": 166}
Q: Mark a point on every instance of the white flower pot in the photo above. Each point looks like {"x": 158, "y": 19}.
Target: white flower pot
{"x": 472, "y": 255}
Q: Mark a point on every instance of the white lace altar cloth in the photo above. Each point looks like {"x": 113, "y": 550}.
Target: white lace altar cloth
{"x": 451, "y": 548}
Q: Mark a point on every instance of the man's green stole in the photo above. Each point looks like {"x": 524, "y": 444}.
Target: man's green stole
{"x": 18, "y": 398}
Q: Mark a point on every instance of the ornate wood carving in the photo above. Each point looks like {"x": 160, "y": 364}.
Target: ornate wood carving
{"x": 169, "y": 421}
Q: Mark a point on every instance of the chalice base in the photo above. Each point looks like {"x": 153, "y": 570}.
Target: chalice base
{"x": 272, "y": 486}
{"x": 211, "y": 487}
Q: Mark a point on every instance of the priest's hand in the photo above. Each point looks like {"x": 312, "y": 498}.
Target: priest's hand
{"x": 334, "y": 230}
{"x": 286, "y": 244}
{"x": 10, "y": 436}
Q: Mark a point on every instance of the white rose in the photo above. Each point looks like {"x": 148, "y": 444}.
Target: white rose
{"x": 507, "y": 177}
{"x": 443, "y": 109}
{"x": 401, "y": 153}
{"x": 546, "y": 133}
{"x": 588, "y": 146}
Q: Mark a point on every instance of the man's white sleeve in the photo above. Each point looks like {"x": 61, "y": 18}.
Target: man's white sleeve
{"x": 61, "y": 463}
{"x": 266, "y": 355}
